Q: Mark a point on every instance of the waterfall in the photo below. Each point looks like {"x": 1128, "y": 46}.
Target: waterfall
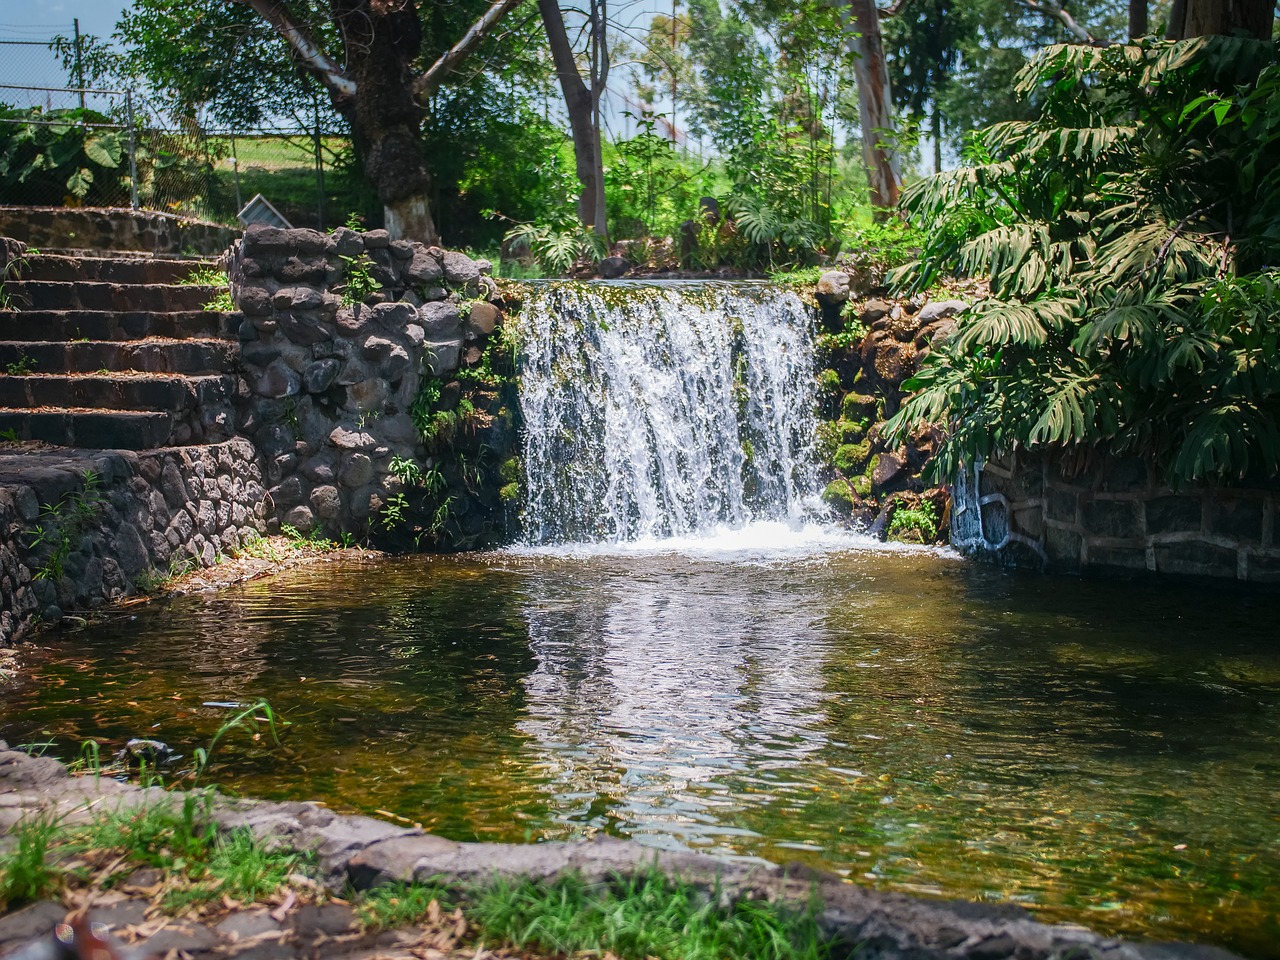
{"x": 656, "y": 411}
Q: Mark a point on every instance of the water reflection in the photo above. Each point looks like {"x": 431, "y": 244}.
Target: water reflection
{"x": 655, "y": 688}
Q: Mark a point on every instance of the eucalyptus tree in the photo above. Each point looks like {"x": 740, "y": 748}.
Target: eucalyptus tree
{"x": 379, "y": 62}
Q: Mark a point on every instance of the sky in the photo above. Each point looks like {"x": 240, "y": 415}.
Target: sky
{"x": 32, "y": 64}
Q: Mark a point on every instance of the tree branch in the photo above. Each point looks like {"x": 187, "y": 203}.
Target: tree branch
{"x": 307, "y": 50}
{"x": 1054, "y": 9}
{"x": 427, "y": 84}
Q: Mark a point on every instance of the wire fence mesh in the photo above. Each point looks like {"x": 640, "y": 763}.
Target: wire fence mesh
{"x": 62, "y": 144}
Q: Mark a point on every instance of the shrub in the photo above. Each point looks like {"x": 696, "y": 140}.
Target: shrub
{"x": 1127, "y": 232}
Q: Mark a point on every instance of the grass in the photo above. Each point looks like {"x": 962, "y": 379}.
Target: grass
{"x": 403, "y": 904}
{"x": 25, "y": 871}
{"x": 204, "y": 277}
{"x": 200, "y": 866}
{"x": 632, "y": 918}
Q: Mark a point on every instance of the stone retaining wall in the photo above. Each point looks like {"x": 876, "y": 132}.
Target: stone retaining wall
{"x": 351, "y": 345}
{"x": 80, "y": 528}
{"x": 114, "y": 228}
{"x": 1113, "y": 515}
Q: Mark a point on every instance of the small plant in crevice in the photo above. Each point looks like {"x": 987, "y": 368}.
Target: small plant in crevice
{"x": 11, "y": 271}
{"x": 63, "y": 522}
{"x": 313, "y": 538}
{"x": 207, "y": 276}
{"x": 360, "y": 283}
{"x": 405, "y": 469}
{"x": 20, "y": 367}
{"x": 918, "y": 524}
{"x": 394, "y": 512}
{"x": 221, "y": 303}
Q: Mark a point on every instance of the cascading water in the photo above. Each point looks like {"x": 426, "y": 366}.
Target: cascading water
{"x": 656, "y": 411}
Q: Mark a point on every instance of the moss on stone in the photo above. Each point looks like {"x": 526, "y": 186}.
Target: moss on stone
{"x": 858, "y": 406}
{"x": 509, "y": 493}
{"x": 851, "y": 458}
{"x": 837, "y": 497}
{"x": 511, "y": 470}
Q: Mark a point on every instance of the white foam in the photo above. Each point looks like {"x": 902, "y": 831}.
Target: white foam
{"x": 755, "y": 542}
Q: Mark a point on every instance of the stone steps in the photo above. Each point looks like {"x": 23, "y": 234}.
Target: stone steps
{"x": 114, "y": 352}
{"x": 91, "y": 429}
{"x": 81, "y": 325}
{"x": 95, "y": 295}
{"x": 110, "y": 269}
{"x": 150, "y": 355}
{"x": 143, "y": 392}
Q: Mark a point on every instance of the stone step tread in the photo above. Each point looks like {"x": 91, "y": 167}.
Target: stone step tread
{"x": 193, "y": 356}
{"x": 155, "y": 392}
{"x": 46, "y": 266}
{"x": 89, "y": 428}
{"x": 116, "y": 325}
{"x": 92, "y": 295}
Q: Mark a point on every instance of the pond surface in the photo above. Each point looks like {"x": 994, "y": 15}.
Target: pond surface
{"x": 1101, "y": 752}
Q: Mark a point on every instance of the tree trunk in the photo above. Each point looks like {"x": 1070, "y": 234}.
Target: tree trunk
{"x": 385, "y": 119}
{"x": 582, "y": 104}
{"x": 1137, "y": 19}
{"x": 875, "y": 108}
{"x": 1200, "y": 18}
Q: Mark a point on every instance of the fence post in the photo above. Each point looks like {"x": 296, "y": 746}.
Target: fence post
{"x": 235, "y": 173}
{"x": 79, "y": 63}
{"x": 133, "y": 149}
{"x": 315, "y": 106}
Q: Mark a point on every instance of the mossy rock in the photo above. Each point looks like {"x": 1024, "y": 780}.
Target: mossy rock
{"x": 858, "y": 406}
{"x": 852, "y": 458}
{"x": 511, "y": 470}
{"x": 509, "y": 493}
{"x": 837, "y": 497}
{"x": 851, "y": 431}
{"x": 861, "y": 485}
{"x": 828, "y": 381}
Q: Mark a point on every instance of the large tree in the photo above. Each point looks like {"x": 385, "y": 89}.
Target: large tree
{"x": 379, "y": 62}
{"x": 582, "y": 101}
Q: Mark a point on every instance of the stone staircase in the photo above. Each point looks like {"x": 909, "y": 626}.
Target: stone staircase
{"x": 113, "y": 352}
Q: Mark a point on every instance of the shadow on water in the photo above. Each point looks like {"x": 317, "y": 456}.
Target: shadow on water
{"x": 1101, "y": 752}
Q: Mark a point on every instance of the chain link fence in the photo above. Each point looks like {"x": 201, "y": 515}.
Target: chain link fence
{"x": 69, "y": 145}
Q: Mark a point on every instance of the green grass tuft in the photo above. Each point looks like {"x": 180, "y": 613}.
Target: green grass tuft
{"x": 649, "y": 915}
{"x": 399, "y": 905}
{"x": 25, "y": 871}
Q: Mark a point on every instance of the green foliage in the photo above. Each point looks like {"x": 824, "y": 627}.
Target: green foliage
{"x": 915, "y": 524}
{"x": 20, "y": 367}
{"x": 394, "y": 511}
{"x": 208, "y": 276}
{"x": 62, "y": 523}
{"x": 57, "y": 154}
{"x": 557, "y": 247}
{"x": 650, "y": 187}
{"x": 313, "y": 539}
{"x": 255, "y": 719}
{"x": 399, "y": 905}
{"x": 648, "y": 915}
{"x": 221, "y": 303}
{"x": 405, "y": 469}
{"x": 1128, "y": 233}
{"x": 25, "y": 871}
{"x": 360, "y": 283}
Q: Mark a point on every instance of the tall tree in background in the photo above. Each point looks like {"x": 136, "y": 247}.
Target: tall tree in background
{"x": 875, "y": 105}
{"x": 365, "y": 54}
{"x": 582, "y": 101}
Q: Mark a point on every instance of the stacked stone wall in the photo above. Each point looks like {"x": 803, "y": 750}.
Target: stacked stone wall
{"x": 105, "y": 228}
{"x": 1110, "y": 516}
{"x": 351, "y": 343}
{"x": 80, "y": 528}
